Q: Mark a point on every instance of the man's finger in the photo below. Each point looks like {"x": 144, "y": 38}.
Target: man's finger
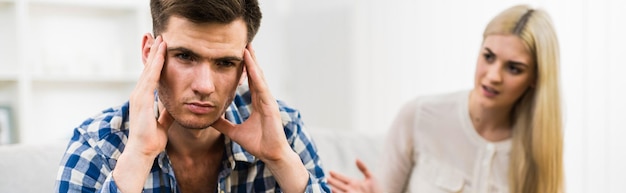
{"x": 165, "y": 119}
{"x": 366, "y": 172}
{"x": 255, "y": 78}
{"x": 151, "y": 74}
{"x": 258, "y": 87}
{"x": 158, "y": 60}
{"x": 252, "y": 52}
{"x": 153, "y": 53}
{"x": 224, "y": 126}
{"x": 148, "y": 80}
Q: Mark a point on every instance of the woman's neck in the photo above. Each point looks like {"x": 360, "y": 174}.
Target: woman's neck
{"x": 493, "y": 123}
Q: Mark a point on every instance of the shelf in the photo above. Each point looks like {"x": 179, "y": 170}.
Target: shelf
{"x": 60, "y": 59}
{"x": 8, "y": 42}
{"x": 89, "y": 40}
{"x": 8, "y": 76}
{"x": 122, "y": 79}
{"x": 96, "y": 4}
{"x": 6, "y": 2}
{"x": 8, "y": 93}
{"x": 59, "y": 108}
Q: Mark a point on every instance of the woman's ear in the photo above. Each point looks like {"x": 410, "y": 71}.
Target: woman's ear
{"x": 146, "y": 44}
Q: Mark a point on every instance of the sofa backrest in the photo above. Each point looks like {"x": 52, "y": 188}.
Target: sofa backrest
{"x": 339, "y": 150}
{"x": 33, "y": 168}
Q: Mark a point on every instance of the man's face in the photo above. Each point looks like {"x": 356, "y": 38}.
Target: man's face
{"x": 203, "y": 67}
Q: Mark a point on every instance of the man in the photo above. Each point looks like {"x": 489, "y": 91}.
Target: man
{"x": 210, "y": 134}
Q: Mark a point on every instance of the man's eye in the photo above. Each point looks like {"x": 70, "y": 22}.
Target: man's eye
{"x": 183, "y": 56}
{"x": 225, "y": 63}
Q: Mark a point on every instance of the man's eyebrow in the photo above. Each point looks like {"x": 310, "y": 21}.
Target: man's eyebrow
{"x": 191, "y": 53}
{"x": 181, "y": 49}
{"x": 230, "y": 58}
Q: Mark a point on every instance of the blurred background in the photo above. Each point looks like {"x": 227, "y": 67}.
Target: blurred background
{"x": 346, "y": 64}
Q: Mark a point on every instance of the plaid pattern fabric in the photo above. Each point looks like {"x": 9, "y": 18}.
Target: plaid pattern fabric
{"x": 97, "y": 143}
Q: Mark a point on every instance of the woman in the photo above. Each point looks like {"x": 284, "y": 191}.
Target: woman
{"x": 504, "y": 135}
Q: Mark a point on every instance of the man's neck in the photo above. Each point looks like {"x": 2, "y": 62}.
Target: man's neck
{"x": 194, "y": 142}
{"x": 196, "y": 156}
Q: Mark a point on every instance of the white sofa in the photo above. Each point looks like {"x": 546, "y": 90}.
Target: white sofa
{"x": 33, "y": 168}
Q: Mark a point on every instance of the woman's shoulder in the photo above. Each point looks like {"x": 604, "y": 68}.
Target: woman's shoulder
{"x": 452, "y": 98}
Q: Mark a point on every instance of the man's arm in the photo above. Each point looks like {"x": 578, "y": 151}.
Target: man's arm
{"x": 82, "y": 169}
{"x": 262, "y": 134}
{"x": 306, "y": 149}
{"x": 147, "y": 137}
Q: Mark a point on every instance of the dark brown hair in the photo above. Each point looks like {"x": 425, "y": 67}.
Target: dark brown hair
{"x": 206, "y": 11}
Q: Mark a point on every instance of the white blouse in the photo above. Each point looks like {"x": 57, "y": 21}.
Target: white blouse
{"x": 433, "y": 147}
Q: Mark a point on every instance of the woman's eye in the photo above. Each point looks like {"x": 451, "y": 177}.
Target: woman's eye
{"x": 514, "y": 70}
{"x": 489, "y": 57}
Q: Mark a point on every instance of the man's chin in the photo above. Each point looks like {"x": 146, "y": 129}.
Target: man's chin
{"x": 196, "y": 125}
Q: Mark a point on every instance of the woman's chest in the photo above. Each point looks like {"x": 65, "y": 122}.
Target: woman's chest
{"x": 464, "y": 171}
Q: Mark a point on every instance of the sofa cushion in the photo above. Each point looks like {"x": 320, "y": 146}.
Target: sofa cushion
{"x": 30, "y": 167}
{"x": 33, "y": 167}
{"x": 339, "y": 150}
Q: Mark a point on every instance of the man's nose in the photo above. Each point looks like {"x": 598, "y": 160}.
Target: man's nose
{"x": 202, "y": 81}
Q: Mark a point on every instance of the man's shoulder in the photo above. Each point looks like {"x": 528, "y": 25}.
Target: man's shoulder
{"x": 109, "y": 125}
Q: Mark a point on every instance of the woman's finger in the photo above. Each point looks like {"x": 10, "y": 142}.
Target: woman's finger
{"x": 366, "y": 172}
{"x": 337, "y": 185}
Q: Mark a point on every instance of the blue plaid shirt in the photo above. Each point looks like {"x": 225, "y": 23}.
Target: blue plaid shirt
{"x": 96, "y": 145}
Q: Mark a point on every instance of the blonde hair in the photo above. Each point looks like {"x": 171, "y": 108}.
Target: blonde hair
{"x": 537, "y": 150}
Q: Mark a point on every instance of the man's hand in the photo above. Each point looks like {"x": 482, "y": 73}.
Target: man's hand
{"x": 262, "y": 134}
{"x": 342, "y": 183}
{"x": 147, "y": 136}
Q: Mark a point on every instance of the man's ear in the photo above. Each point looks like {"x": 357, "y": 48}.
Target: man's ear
{"x": 146, "y": 44}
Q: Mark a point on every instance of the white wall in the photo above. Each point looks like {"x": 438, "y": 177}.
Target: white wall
{"x": 350, "y": 64}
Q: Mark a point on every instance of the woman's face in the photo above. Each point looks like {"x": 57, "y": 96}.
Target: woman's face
{"x": 504, "y": 70}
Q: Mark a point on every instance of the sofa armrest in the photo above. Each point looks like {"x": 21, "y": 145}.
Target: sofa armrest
{"x": 30, "y": 167}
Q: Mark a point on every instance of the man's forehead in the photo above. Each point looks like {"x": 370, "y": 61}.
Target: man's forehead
{"x": 210, "y": 36}
{"x": 236, "y": 27}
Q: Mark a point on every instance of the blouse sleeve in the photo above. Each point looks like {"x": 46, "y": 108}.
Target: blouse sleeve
{"x": 400, "y": 153}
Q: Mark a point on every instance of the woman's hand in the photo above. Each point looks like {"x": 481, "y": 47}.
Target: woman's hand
{"x": 342, "y": 183}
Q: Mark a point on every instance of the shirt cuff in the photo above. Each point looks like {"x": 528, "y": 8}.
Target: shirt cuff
{"x": 316, "y": 185}
{"x": 109, "y": 185}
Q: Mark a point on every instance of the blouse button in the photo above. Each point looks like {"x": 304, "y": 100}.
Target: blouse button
{"x": 490, "y": 147}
